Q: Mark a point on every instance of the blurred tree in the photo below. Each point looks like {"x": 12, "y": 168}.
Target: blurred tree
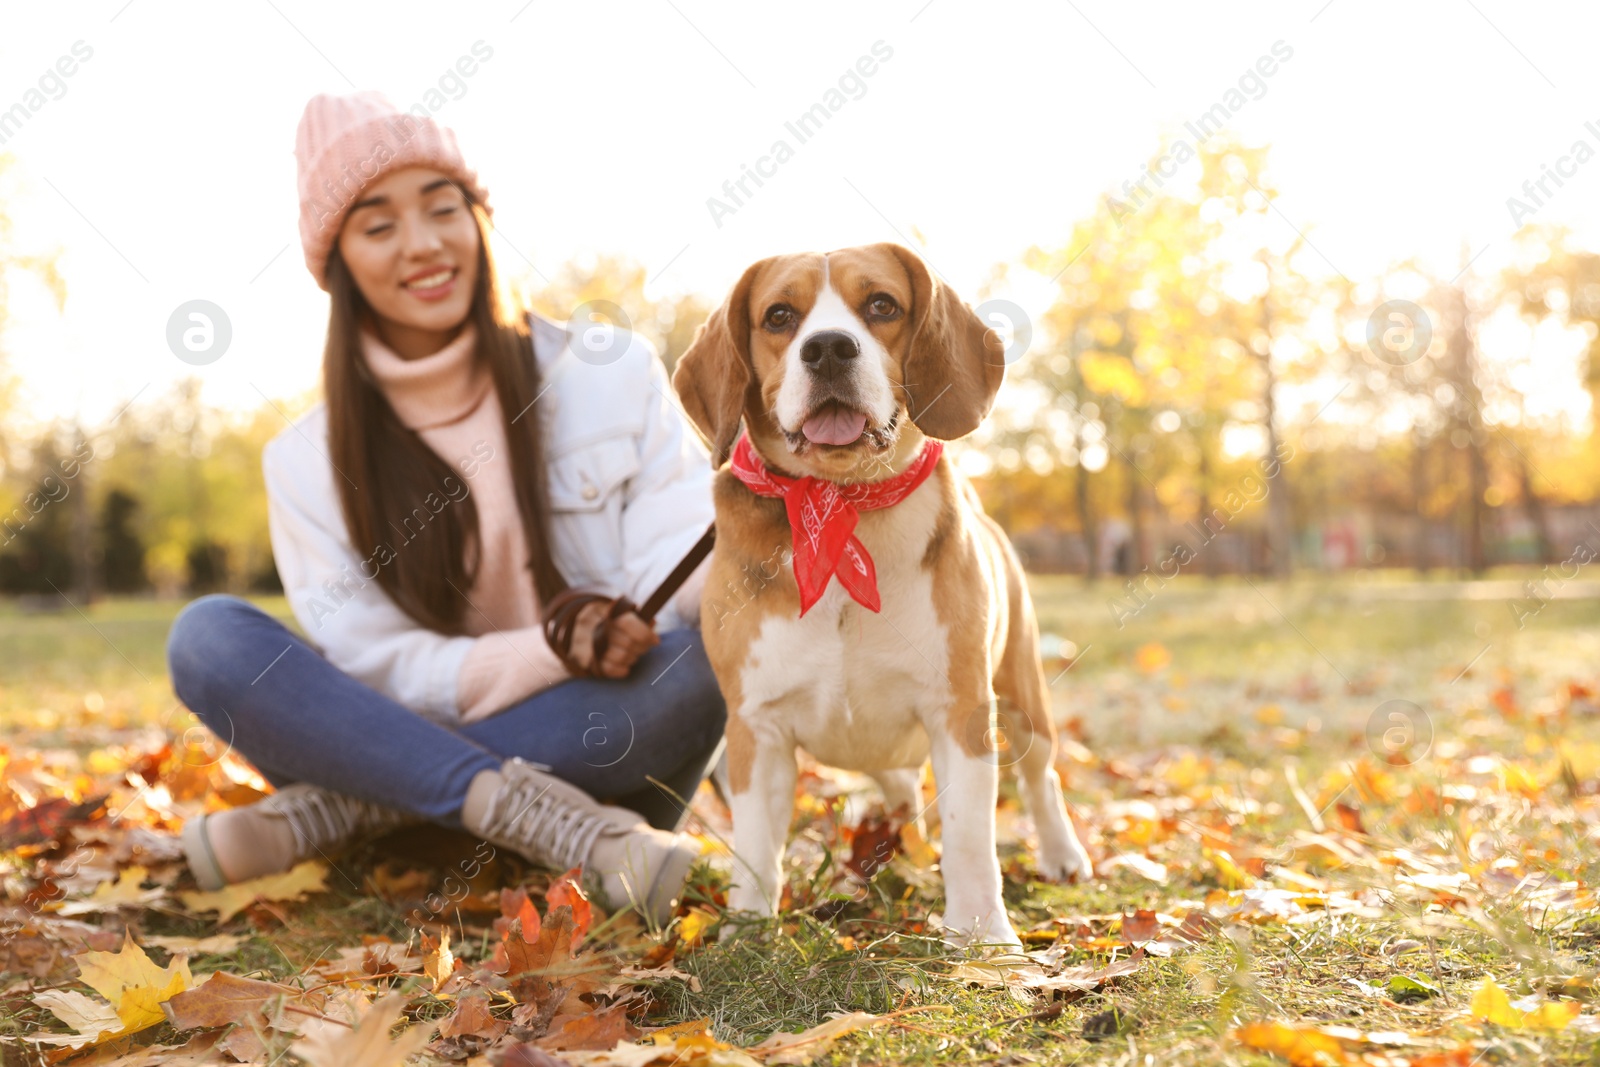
{"x": 35, "y": 536}
{"x": 1173, "y": 314}
{"x": 122, "y": 552}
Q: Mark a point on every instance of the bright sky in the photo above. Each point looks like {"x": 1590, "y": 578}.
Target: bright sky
{"x": 163, "y": 166}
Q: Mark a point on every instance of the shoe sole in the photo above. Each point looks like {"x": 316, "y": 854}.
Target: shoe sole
{"x": 201, "y": 859}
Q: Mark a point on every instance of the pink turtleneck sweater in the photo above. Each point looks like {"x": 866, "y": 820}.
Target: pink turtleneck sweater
{"x": 449, "y": 399}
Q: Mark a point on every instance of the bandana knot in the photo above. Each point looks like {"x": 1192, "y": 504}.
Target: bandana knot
{"x": 823, "y": 516}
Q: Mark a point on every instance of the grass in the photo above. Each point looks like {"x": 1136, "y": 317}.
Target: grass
{"x": 1223, "y": 723}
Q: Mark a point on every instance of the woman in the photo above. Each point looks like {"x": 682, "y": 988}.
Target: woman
{"x": 466, "y": 466}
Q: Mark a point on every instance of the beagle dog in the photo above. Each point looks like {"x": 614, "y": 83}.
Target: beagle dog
{"x": 860, "y": 603}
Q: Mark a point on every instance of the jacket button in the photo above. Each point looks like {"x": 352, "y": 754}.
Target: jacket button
{"x": 590, "y": 492}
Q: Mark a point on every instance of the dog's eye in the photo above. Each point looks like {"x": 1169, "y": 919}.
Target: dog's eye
{"x": 779, "y": 317}
{"x": 883, "y": 306}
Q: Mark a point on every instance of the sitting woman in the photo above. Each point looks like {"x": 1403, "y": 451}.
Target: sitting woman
{"x": 467, "y": 466}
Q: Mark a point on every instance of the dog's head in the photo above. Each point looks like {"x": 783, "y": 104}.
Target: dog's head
{"x": 830, "y": 356}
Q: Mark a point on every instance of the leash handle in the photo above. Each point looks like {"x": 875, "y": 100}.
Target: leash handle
{"x": 679, "y": 575}
{"x": 561, "y": 614}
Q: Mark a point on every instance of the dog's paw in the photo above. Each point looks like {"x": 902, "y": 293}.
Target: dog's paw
{"x": 1065, "y": 861}
{"x": 992, "y": 937}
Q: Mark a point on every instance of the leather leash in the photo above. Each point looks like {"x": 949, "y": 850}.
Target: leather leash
{"x": 679, "y": 575}
{"x": 561, "y": 614}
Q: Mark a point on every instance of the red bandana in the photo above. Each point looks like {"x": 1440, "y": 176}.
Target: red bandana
{"x": 822, "y": 519}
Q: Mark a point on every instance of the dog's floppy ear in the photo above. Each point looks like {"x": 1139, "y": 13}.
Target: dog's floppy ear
{"x": 956, "y": 361}
{"x": 714, "y": 375}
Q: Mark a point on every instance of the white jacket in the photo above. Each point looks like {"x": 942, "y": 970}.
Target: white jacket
{"x": 630, "y": 494}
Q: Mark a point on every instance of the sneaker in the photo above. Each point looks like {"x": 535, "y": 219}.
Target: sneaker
{"x": 270, "y": 836}
{"x": 556, "y": 824}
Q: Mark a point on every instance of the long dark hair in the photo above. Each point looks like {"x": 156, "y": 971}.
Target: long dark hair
{"x": 389, "y": 471}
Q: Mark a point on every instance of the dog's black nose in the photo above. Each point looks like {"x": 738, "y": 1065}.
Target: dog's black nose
{"x": 825, "y": 348}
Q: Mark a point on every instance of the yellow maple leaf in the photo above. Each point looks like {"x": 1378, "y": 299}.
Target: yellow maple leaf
{"x": 692, "y": 927}
{"x": 1491, "y": 1004}
{"x": 1233, "y": 875}
{"x": 131, "y": 980}
{"x": 309, "y": 877}
{"x": 134, "y": 989}
{"x": 126, "y": 891}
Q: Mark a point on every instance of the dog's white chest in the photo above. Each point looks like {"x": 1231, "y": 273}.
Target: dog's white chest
{"x": 852, "y": 686}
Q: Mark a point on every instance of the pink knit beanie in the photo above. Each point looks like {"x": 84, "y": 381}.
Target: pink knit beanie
{"x": 346, "y": 142}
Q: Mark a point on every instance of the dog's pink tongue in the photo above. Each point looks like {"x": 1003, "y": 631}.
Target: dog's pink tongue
{"x": 834, "y": 425}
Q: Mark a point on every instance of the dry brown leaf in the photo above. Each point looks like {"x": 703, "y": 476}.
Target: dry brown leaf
{"x": 1085, "y": 977}
{"x": 223, "y": 999}
{"x": 596, "y": 1031}
{"x": 366, "y": 1044}
{"x": 471, "y": 1018}
{"x": 802, "y": 1048}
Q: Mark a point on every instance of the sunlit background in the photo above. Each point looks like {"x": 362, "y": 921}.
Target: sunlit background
{"x": 1315, "y": 160}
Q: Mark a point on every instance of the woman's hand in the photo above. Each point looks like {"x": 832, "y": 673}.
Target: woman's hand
{"x": 628, "y": 637}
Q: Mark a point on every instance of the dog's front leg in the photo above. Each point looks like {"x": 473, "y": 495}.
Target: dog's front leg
{"x": 975, "y": 911}
{"x": 762, "y": 803}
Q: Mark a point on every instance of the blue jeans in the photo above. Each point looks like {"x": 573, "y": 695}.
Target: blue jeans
{"x": 273, "y": 698}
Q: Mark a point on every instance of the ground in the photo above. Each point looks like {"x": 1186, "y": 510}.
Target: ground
{"x": 1334, "y": 821}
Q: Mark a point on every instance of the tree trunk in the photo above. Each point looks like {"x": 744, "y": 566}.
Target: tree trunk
{"x": 1086, "y": 521}
{"x": 1469, "y": 418}
{"x": 1207, "y": 553}
{"x": 1279, "y": 532}
{"x": 83, "y": 568}
{"x": 1136, "y": 554}
{"x": 1534, "y": 505}
{"x": 1421, "y": 558}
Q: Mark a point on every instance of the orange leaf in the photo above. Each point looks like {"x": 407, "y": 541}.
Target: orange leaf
{"x": 514, "y": 904}
{"x": 1303, "y": 1046}
{"x": 566, "y": 891}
